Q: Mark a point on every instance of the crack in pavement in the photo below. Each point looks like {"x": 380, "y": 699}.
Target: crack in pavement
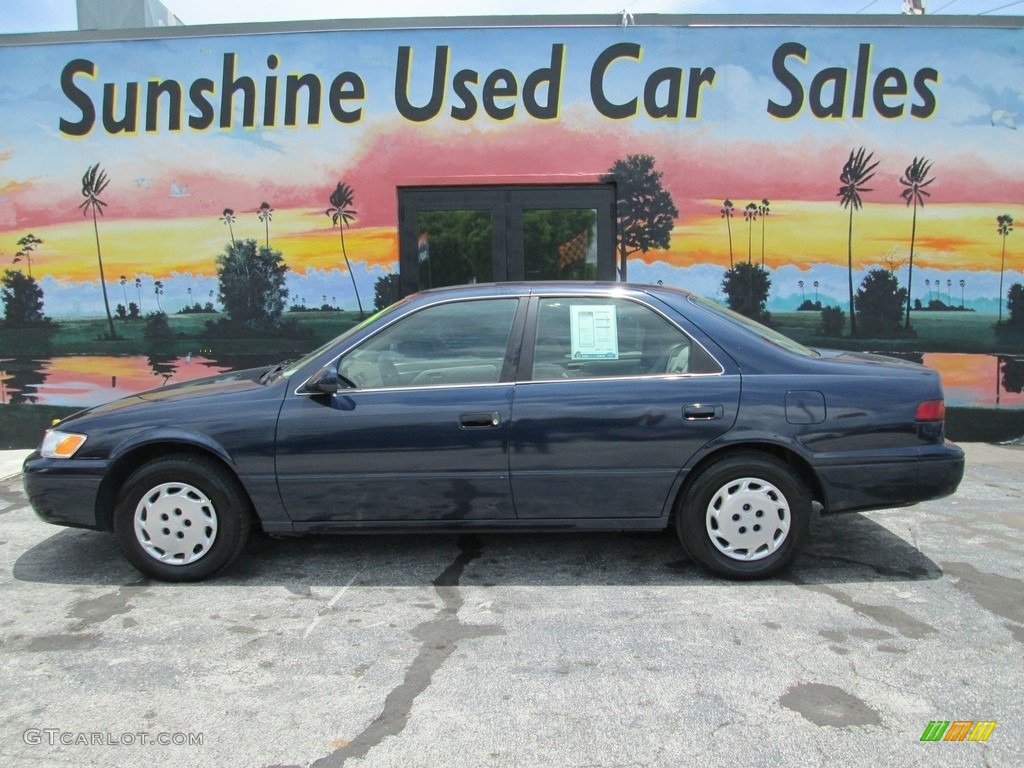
{"x": 438, "y": 638}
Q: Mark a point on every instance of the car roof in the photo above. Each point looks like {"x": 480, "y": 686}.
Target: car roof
{"x": 540, "y": 288}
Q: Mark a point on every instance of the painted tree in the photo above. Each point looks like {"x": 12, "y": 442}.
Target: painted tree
{"x": 1004, "y": 226}
{"x": 124, "y": 291}
{"x": 645, "y": 211}
{"x": 857, "y": 171}
{"x": 914, "y": 180}
{"x": 158, "y": 289}
{"x": 1015, "y": 304}
{"x": 252, "y": 286}
{"x": 727, "y": 209}
{"x": 763, "y": 210}
{"x": 342, "y": 214}
{"x": 23, "y": 301}
{"x": 228, "y": 217}
{"x": 264, "y": 213}
{"x": 138, "y": 289}
{"x": 746, "y": 289}
{"x": 94, "y": 181}
{"x": 27, "y": 244}
{"x": 385, "y": 291}
{"x": 750, "y": 216}
{"x": 962, "y": 284}
{"x": 880, "y": 303}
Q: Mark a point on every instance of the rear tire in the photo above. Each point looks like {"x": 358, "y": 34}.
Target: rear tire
{"x": 745, "y": 516}
{"x": 181, "y": 518}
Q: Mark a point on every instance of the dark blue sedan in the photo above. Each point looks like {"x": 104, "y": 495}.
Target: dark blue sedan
{"x": 555, "y": 406}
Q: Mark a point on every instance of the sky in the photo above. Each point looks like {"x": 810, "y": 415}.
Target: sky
{"x": 17, "y": 16}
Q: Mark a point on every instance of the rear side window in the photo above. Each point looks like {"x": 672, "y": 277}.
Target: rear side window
{"x": 458, "y": 343}
{"x": 599, "y": 338}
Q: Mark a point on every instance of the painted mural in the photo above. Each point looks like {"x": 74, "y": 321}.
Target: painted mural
{"x": 134, "y": 174}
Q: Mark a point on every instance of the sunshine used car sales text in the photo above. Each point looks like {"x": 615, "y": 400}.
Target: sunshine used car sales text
{"x": 621, "y": 87}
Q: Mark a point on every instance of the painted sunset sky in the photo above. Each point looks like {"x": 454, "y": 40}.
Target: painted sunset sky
{"x": 168, "y": 188}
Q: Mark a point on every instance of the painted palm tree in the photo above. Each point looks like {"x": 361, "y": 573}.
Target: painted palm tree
{"x": 914, "y": 180}
{"x": 229, "y": 218}
{"x": 264, "y": 213}
{"x": 28, "y": 244}
{"x": 763, "y": 212}
{"x": 803, "y": 296}
{"x": 342, "y": 214}
{"x": 750, "y": 215}
{"x": 816, "y": 291}
{"x": 138, "y": 289}
{"x": 1004, "y": 226}
{"x": 94, "y": 181}
{"x": 962, "y": 284}
{"x": 158, "y": 289}
{"x": 928, "y": 285}
{"x": 727, "y": 209}
{"x": 124, "y": 291}
{"x": 949, "y": 291}
{"x": 857, "y": 171}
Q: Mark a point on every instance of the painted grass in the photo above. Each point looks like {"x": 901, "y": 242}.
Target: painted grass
{"x": 87, "y": 336}
{"x": 22, "y": 426}
{"x": 967, "y": 332}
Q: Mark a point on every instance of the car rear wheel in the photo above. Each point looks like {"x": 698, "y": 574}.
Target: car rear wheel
{"x": 745, "y": 516}
{"x": 181, "y": 518}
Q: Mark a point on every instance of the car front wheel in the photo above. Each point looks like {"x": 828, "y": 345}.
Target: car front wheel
{"x": 745, "y": 516}
{"x": 181, "y": 518}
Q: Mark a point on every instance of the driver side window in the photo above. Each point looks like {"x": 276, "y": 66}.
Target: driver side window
{"x": 457, "y": 343}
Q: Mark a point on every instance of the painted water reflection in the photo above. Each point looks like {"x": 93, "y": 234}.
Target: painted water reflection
{"x": 82, "y": 381}
{"x": 986, "y": 381}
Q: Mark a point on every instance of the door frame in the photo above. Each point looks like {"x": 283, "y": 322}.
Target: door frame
{"x": 507, "y": 204}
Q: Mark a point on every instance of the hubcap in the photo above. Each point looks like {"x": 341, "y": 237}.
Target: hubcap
{"x": 175, "y": 523}
{"x": 748, "y": 519}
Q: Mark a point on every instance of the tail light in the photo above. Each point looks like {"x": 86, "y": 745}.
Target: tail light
{"x": 931, "y": 410}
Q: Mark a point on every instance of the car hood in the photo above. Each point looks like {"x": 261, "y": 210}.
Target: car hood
{"x": 221, "y": 383}
{"x": 231, "y": 382}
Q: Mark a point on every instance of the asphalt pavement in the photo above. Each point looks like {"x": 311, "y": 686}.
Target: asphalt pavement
{"x": 525, "y": 650}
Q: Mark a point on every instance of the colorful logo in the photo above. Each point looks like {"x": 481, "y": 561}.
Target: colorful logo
{"x": 958, "y": 730}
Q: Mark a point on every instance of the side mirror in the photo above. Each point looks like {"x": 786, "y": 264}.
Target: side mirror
{"x": 325, "y": 381}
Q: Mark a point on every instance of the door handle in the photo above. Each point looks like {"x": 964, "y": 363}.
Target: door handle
{"x": 703, "y": 411}
{"x": 479, "y": 420}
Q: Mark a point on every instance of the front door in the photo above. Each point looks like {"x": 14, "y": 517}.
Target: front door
{"x": 423, "y": 435}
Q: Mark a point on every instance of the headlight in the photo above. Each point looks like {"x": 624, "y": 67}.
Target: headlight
{"x": 60, "y": 445}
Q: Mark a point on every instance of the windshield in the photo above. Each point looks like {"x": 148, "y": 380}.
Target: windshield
{"x": 306, "y": 359}
{"x": 766, "y": 333}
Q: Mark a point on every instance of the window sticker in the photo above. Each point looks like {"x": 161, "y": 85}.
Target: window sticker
{"x": 594, "y": 332}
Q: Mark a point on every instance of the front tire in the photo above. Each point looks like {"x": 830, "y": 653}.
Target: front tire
{"x": 181, "y": 518}
{"x": 745, "y": 516}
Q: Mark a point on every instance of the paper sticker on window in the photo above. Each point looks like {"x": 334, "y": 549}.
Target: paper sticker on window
{"x": 594, "y": 334}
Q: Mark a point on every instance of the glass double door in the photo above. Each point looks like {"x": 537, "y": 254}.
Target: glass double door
{"x": 458, "y": 235}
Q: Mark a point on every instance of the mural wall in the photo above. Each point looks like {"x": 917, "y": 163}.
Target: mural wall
{"x": 819, "y": 153}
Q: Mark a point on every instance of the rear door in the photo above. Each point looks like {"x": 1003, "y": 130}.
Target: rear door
{"x": 612, "y": 400}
